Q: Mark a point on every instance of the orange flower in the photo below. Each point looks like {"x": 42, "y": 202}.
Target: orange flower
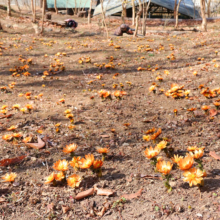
{"x": 217, "y": 104}
{"x": 29, "y": 106}
{"x": 150, "y": 152}
{"x": 68, "y": 111}
{"x": 59, "y": 176}
{"x": 9, "y": 177}
{"x": 205, "y": 108}
{"x": 164, "y": 167}
{"x": 23, "y": 110}
{"x": 146, "y": 137}
{"x": 70, "y": 116}
{"x": 159, "y": 159}
{"x": 197, "y": 154}
{"x": 4, "y": 112}
{"x": 86, "y": 162}
{"x": 50, "y": 178}
{"x": 155, "y": 135}
{"x": 4, "y": 107}
{"x": 74, "y": 180}
{"x": 193, "y": 176}
{"x": 70, "y": 148}
{"x": 27, "y": 139}
{"x": 175, "y": 111}
{"x": 152, "y": 88}
{"x": 152, "y": 130}
{"x": 103, "y": 150}
{"x": 104, "y": 94}
{"x": 191, "y": 109}
{"x": 17, "y": 135}
{"x": 193, "y": 148}
{"x": 28, "y": 94}
{"x": 162, "y": 145}
{"x": 119, "y": 94}
{"x": 186, "y": 162}
{"x": 97, "y": 164}
{"x": 16, "y": 106}
{"x": 12, "y": 128}
{"x": 61, "y": 165}
{"x": 7, "y": 137}
{"x": 176, "y": 158}
{"x": 62, "y": 100}
{"x": 75, "y": 162}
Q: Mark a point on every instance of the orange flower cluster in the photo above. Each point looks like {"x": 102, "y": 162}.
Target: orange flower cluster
{"x": 153, "y": 136}
{"x": 194, "y": 176}
{"x": 104, "y": 94}
{"x": 119, "y": 94}
{"x": 177, "y": 91}
{"x": 208, "y": 93}
{"x": 9, "y": 177}
{"x": 9, "y": 137}
{"x": 69, "y": 115}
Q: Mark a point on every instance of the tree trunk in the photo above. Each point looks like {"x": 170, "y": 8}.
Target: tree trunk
{"x": 204, "y": 21}
{"x": 177, "y": 14}
{"x": 137, "y": 18}
{"x": 9, "y": 8}
{"x": 43, "y": 10}
{"x": 145, "y": 18}
{"x": 174, "y": 10}
{"x": 208, "y": 8}
{"x": 16, "y": 1}
{"x": 90, "y": 12}
{"x": 33, "y": 5}
{"x": 133, "y": 12}
{"x": 103, "y": 17}
{"x": 55, "y": 6}
{"x": 124, "y": 12}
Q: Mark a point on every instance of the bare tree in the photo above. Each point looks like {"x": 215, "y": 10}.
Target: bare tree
{"x": 137, "y": 18}
{"x": 55, "y": 6}
{"x": 103, "y": 17}
{"x": 16, "y": 1}
{"x": 90, "y": 12}
{"x": 133, "y": 12}
{"x": 43, "y": 11}
{"x": 9, "y": 8}
{"x": 208, "y": 8}
{"x": 33, "y": 6}
{"x": 204, "y": 21}
{"x": 177, "y": 14}
{"x": 174, "y": 10}
{"x": 76, "y": 9}
{"x": 124, "y": 11}
{"x": 145, "y": 13}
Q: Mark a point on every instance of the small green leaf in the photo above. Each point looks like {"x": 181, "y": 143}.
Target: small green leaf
{"x": 156, "y": 208}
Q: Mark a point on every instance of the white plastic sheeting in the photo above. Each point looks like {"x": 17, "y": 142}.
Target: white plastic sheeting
{"x": 113, "y": 6}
